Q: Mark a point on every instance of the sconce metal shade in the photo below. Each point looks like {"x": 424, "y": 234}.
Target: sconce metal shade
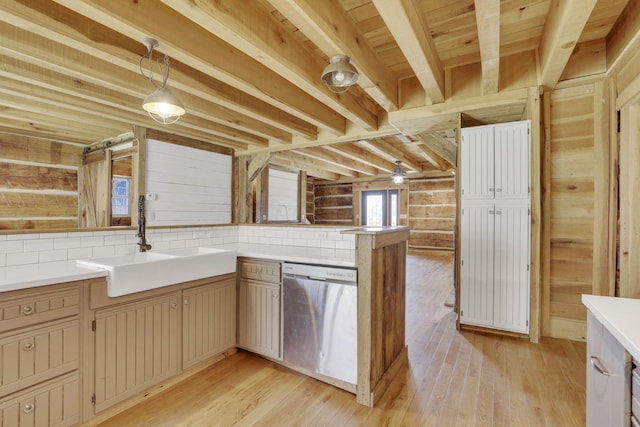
{"x": 340, "y": 74}
{"x": 398, "y": 174}
{"x": 163, "y": 106}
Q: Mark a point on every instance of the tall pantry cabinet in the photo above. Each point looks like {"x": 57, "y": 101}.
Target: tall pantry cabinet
{"x": 495, "y": 226}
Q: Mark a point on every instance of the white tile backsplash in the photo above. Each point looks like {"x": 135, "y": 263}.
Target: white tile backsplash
{"x": 17, "y": 250}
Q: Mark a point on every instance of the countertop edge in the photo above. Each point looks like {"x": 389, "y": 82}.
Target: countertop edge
{"x": 617, "y": 315}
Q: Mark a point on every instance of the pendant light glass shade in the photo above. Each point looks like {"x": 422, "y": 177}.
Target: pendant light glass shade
{"x": 162, "y": 105}
{"x": 340, "y": 74}
{"x": 398, "y": 174}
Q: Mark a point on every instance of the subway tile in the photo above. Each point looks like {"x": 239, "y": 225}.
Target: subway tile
{"x": 10, "y": 246}
{"x": 51, "y": 256}
{"x": 78, "y": 253}
{"x": 21, "y": 258}
{"x": 38, "y": 245}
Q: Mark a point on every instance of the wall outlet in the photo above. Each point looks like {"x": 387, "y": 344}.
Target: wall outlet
{"x": 151, "y": 196}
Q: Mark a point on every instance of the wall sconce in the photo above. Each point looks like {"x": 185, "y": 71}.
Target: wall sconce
{"x": 162, "y": 105}
{"x": 340, "y": 74}
{"x": 398, "y": 174}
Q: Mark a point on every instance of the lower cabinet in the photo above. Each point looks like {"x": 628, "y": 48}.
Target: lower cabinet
{"x": 259, "y": 317}
{"x": 143, "y": 339}
{"x": 208, "y": 321}
{"x": 135, "y": 347}
{"x": 608, "y": 375}
{"x": 40, "y": 356}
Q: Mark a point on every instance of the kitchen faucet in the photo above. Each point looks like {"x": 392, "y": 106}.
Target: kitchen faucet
{"x": 144, "y": 246}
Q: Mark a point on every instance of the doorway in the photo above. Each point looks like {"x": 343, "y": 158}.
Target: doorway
{"x": 379, "y": 208}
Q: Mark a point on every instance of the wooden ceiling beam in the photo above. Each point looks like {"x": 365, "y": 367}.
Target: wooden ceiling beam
{"x": 286, "y": 160}
{"x": 623, "y": 37}
{"x": 251, "y": 29}
{"x": 257, "y": 165}
{"x": 199, "y": 49}
{"x": 201, "y": 91}
{"x": 322, "y": 153}
{"x": 329, "y": 27}
{"x": 362, "y": 155}
{"x": 408, "y": 27}
{"x": 318, "y": 163}
{"x": 385, "y": 147}
{"x": 488, "y": 25}
{"x": 562, "y": 29}
{"x": 440, "y": 145}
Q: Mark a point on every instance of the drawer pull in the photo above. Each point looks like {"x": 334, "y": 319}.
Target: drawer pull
{"x": 29, "y": 346}
{"x": 27, "y": 310}
{"x": 186, "y": 301}
{"x": 174, "y": 305}
{"x": 28, "y": 407}
{"x": 597, "y": 365}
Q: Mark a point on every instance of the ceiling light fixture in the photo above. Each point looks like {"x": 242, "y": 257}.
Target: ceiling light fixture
{"x": 162, "y": 105}
{"x": 340, "y": 74}
{"x": 398, "y": 174}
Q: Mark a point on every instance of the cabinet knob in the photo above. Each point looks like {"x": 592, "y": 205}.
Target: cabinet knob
{"x": 28, "y": 407}
{"x": 499, "y": 190}
{"x": 491, "y": 189}
{"x": 29, "y": 346}
{"x": 27, "y": 310}
{"x": 174, "y": 305}
{"x": 274, "y": 295}
{"x": 186, "y": 301}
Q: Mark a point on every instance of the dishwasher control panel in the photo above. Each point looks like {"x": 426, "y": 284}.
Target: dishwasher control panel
{"x": 321, "y": 272}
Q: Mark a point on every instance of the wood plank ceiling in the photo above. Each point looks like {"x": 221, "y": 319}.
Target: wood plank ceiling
{"x": 249, "y": 72}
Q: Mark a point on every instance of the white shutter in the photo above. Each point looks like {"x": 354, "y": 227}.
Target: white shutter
{"x": 476, "y": 281}
{"x": 511, "y": 275}
{"x": 512, "y": 160}
{"x": 477, "y": 162}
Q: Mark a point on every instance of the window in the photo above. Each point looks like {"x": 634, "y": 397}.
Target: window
{"x": 380, "y": 207}
{"x": 120, "y": 196}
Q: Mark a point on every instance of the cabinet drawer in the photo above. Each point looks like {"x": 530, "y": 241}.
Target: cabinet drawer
{"x": 38, "y": 354}
{"x": 21, "y": 309}
{"x": 262, "y": 271}
{"x": 55, "y": 403}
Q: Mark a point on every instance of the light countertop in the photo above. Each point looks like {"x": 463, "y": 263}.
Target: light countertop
{"x": 307, "y": 255}
{"x": 32, "y": 275}
{"x": 621, "y": 316}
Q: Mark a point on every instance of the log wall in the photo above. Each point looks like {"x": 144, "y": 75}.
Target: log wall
{"x": 38, "y": 183}
{"x": 310, "y": 202}
{"x": 432, "y": 213}
{"x": 333, "y": 204}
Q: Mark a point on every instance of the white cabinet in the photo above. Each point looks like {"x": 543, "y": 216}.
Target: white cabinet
{"x": 495, "y": 227}
{"x": 608, "y": 377}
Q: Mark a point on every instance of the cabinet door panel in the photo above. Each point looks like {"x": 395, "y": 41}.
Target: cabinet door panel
{"x": 511, "y": 275}
{"x": 209, "y": 321}
{"x": 259, "y": 318}
{"x": 136, "y": 347}
{"x": 512, "y": 160}
{"x": 476, "y": 276}
{"x": 608, "y": 396}
{"x": 477, "y": 163}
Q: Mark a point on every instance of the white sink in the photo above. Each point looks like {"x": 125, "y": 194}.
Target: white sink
{"x": 150, "y": 270}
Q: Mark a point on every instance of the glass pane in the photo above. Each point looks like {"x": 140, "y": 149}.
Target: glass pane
{"x": 120, "y": 190}
{"x": 374, "y": 210}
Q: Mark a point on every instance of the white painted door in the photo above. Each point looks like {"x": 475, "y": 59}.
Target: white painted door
{"x": 477, "y": 256}
{"x": 511, "y": 267}
{"x": 511, "y": 148}
{"x": 477, "y": 163}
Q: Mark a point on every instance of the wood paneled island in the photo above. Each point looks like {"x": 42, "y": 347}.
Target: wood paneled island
{"x": 381, "y": 261}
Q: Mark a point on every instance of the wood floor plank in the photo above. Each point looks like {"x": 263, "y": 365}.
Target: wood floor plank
{"x": 451, "y": 378}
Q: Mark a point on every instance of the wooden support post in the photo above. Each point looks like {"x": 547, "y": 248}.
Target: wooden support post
{"x": 533, "y": 114}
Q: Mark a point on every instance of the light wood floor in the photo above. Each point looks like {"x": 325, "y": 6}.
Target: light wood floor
{"x": 453, "y": 378}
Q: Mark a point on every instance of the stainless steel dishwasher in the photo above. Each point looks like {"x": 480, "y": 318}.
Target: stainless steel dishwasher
{"x": 320, "y": 320}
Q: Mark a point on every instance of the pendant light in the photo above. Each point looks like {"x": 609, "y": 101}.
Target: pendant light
{"x": 162, "y": 105}
{"x": 340, "y": 74}
{"x": 398, "y": 174}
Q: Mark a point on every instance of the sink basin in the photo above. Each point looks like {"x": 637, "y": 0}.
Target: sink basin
{"x": 150, "y": 270}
